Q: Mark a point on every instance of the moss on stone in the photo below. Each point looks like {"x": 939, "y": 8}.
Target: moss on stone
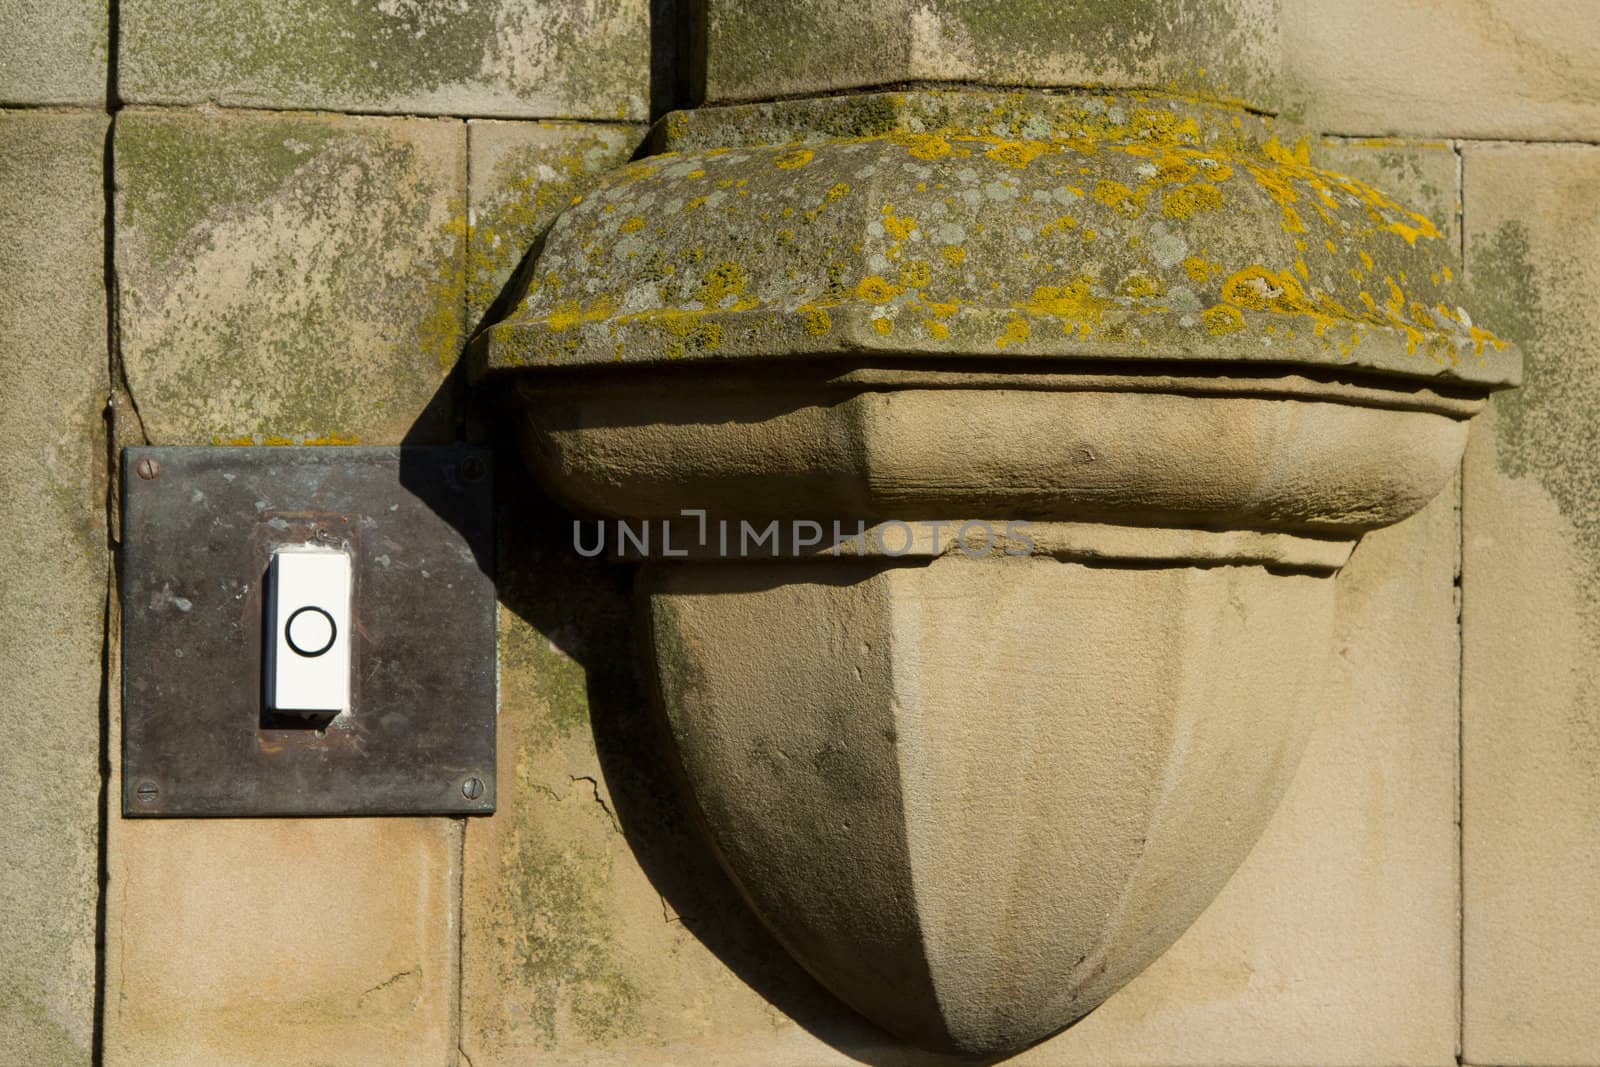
{"x": 495, "y": 57}
{"x": 176, "y": 173}
{"x": 1223, "y": 49}
{"x": 1524, "y": 284}
{"x": 1545, "y": 429}
{"x": 292, "y": 277}
{"x": 1208, "y": 47}
{"x": 1508, "y": 294}
{"x": 563, "y": 944}
{"x": 524, "y": 175}
{"x": 976, "y": 222}
{"x": 533, "y": 666}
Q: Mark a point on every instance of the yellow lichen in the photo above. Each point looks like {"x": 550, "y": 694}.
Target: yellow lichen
{"x": 838, "y": 192}
{"x": 1480, "y": 337}
{"x": 332, "y": 438}
{"x": 916, "y": 274}
{"x": 1172, "y": 157}
{"x": 565, "y": 315}
{"x": 1172, "y": 169}
{"x": 1016, "y": 153}
{"x": 1016, "y": 332}
{"x": 1212, "y": 170}
{"x": 1118, "y": 197}
{"x": 1253, "y": 288}
{"x": 883, "y": 326}
{"x": 898, "y": 227}
{"x": 927, "y": 146}
{"x": 878, "y": 289}
{"x": 724, "y": 280}
{"x": 1222, "y": 319}
{"x": 1186, "y": 201}
{"x": 817, "y": 320}
{"x": 1074, "y": 303}
{"x": 1139, "y": 285}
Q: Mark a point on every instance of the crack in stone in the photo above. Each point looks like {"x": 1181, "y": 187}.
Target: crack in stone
{"x": 391, "y": 980}
{"x": 598, "y": 799}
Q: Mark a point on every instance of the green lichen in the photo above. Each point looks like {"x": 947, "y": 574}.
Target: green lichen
{"x": 1544, "y": 430}
{"x": 1217, "y": 48}
{"x": 1507, "y": 293}
{"x": 174, "y": 175}
{"x": 526, "y": 188}
{"x": 1205, "y": 47}
{"x": 1188, "y": 228}
{"x": 289, "y": 277}
{"x": 676, "y": 664}
{"x": 34, "y": 1033}
{"x": 358, "y": 52}
{"x": 532, "y": 665}
{"x": 563, "y": 946}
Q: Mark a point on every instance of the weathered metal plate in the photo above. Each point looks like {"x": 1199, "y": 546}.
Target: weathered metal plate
{"x": 198, "y": 529}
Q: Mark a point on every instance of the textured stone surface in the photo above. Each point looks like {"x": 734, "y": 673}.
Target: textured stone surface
{"x": 581, "y": 944}
{"x": 1338, "y": 933}
{"x": 1531, "y": 729}
{"x": 54, "y": 52}
{"x": 759, "y": 49}
{"x": 53, "y": 386}
{"x": 873, "y": 738}
{"x": 291, "y": 278}
{"x": 1336, "y": 940}
{"x": 523, "y": 175}
{"x": 976, "y": 797}
{"x": 283, "y": 278}
{"x": 526, "y": 58}
{"x": 752, "y": 659}
{"x": 1424, "y": 175}
{"x": 1490, "y": 68}
{"x": 959, "y": 224}
{"x": 281, "y": 942}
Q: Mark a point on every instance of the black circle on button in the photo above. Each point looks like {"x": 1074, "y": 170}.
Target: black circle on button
{"x": 333, "y": 632}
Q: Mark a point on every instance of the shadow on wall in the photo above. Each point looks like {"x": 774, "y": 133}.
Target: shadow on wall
{"x": 586, "y": 608}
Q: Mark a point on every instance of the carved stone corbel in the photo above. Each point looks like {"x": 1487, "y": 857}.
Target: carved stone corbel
{"x": 1116, "y": 382}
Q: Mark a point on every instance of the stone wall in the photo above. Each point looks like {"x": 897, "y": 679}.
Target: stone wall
{"x": 270, "y": 224}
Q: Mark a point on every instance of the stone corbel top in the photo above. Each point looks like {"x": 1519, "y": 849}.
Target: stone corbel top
{"x": 1085, "y": 226}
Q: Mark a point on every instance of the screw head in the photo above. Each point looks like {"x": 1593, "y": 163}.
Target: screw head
{"x": 472, "y": 788}
{"x": 147, "y": 792}
{"x": 473, "y": 469}
{"x": 148, "y": 468}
